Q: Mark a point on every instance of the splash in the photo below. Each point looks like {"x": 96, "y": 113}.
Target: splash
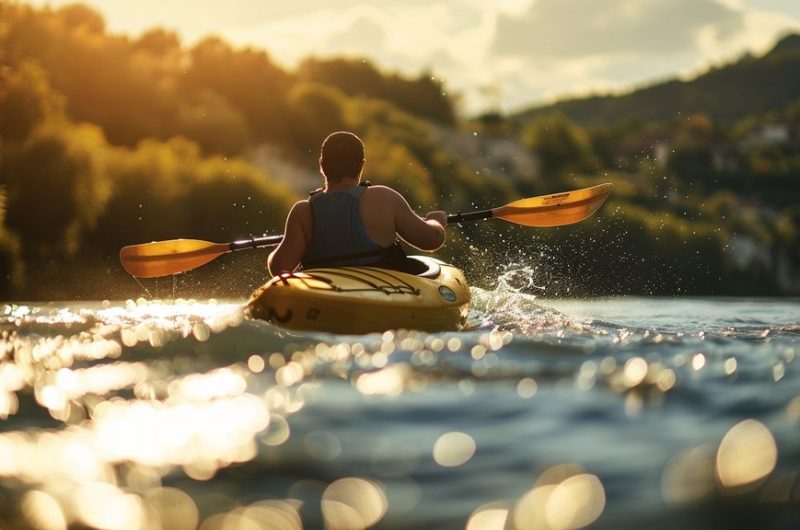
{"x": 513, "y": 305}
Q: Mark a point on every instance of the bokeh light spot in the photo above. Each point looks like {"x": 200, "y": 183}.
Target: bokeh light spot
{"x": 746, "y": 454}
{"x": 689, "y": 476}
{"x": 42, "y": 511}
{"x": 453, "y": 449}
{"x": 527, "y": 388}
{"x": 353, "y": 503}
{"x": 492, "y": 516}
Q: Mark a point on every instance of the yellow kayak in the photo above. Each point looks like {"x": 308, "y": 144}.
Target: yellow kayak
{"x": 354, "y": 300}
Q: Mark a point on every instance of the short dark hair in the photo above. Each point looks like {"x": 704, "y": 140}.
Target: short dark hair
{"x": 342, "y": 155}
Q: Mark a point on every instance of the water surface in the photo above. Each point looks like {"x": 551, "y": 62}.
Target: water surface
{"x": 619, "y": 413}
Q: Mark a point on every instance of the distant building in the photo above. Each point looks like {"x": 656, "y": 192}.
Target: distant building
{"x": 661, "y": 152}
{"x": 725, "y": 158}
{"x": 490, "y": 153}
{"x": 768, "y": 134}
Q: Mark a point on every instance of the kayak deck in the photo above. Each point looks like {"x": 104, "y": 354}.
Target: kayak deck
{"x": 355, "y": 300}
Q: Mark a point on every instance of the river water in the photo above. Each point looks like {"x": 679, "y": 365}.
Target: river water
{"x": 618, "y": 413}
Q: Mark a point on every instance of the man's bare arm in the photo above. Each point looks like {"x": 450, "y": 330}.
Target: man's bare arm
{"x": 425, "y": 234}
{"x": 296, "y": 238}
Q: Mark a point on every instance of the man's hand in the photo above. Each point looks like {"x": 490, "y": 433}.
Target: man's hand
{"x": 438, "y": 216}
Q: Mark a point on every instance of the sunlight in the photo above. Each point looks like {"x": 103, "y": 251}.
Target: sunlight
{"x": 564, "y": 498}
{"x": 453, "y": 449}
{"x": 689, "y": 476}
{"x": 105, "y": 506}
{"x": 527, "y": 388}
{"x": 353, "y": 503}
{"x": 607, "y": 334}
{"x": 576, "y": 502}
{"x": 174, "y": 508}
{"x": 388, "y": 382}
{"x": 492, "y": 516}
{"x": 43, "y": 511}
{"x": 746, "y": 454}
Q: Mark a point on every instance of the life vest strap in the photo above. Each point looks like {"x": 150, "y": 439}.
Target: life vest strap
{"x": 391, "y": 257}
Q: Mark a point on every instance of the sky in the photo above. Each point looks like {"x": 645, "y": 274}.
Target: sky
{"x": 502, "y": 55}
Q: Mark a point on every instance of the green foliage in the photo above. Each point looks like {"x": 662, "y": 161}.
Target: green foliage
{"x": 401, "y": 149}
{"x": 57, "y": 186}
{"x": 227, "y": 100}
{"x": 233, "y": 199}
{"x": 165, "y": 190}
{"x": 789, "y": 232}
{"x": 561, "y": 146}
{"x": 215, "y": 124}
{"x": 103, "y": 80}
{"x": 319, "y": 110}
{"x": 108, "y": 140}
{"x": 629, "y": 249}
{"x": 692, "y": 144}
{"x": 11, "y": 265}
{"x": 423, "y": 97}
{"x": 247, "y": 79}
{"x": 393, "y": 164}
{"x": 26, "y": 99}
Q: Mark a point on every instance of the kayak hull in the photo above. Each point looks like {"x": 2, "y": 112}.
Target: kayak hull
{"x": 357, "y": 300}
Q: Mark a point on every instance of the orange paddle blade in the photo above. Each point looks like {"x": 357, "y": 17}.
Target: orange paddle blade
{"x": 162, "y": 258}
{"x": 558, "y": 209}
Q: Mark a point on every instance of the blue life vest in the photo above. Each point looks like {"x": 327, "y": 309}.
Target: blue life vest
{"x": 339, "y": 237}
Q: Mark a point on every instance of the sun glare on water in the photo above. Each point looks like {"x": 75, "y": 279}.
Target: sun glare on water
{"x": 149, "y": 396}
{"x": 127, "y": 423}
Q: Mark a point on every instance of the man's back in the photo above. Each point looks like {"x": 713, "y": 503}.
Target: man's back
{"x": 384, "y": 213}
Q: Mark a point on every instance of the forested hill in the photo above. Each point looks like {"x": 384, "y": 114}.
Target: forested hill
{"x": 109, "y": 139}
{"x": 726, "y": 94}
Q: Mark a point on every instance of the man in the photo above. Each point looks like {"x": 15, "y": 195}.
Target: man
{"x": 351, "y": 223}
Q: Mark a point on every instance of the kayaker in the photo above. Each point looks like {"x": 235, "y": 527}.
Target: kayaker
{"x": 349, "y": 222}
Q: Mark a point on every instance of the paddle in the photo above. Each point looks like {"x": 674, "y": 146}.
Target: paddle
{"x": 162, "y": 258}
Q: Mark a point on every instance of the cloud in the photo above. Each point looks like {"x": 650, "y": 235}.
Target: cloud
{"x": 362, "y": 34}
{"x": 559, "y": 48}
{"x": 401, "y": 36}
{"x": 559, "y": 29}
{"x": 529, "y": 50}
{"x": 757, "y": 34}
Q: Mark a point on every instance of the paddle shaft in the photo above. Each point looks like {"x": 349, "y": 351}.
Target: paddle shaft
{"x": 255, "y": 242}
{"x": 471, "y": 216}
{"x": 269, "y": 241}
{"x": 161, "y": 258}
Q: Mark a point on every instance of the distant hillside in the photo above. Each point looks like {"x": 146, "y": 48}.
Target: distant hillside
{"x": 751, "y": 85}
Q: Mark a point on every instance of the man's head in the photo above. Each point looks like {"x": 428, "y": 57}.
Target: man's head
{"x": 341, "y": 156}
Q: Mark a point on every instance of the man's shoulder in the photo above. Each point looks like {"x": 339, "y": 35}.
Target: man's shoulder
{"x": 379, "y": 191}
{"x": 300, "y": 210}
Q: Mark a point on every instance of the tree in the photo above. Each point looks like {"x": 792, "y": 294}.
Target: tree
{"x": 11, "y": 268}
{"x": 165, "y": 190}
{"x": 248, "y": 79}
{"x": 692, "y": 145}
{"x": 318, "y": 111}
{"x": 561, "y": 146}
{"x": 57, "y": 186}
{"x": 215, "y": 124}
{"x": 26, "y": 99}
{"x": 422, "y": 96}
